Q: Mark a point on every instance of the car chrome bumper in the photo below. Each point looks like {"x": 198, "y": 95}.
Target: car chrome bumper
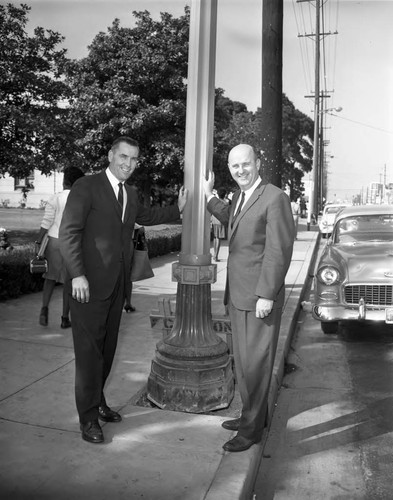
{"x": 341, "y": 313}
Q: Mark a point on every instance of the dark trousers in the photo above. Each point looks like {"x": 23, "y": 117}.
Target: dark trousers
{"x": 254, "y": 348}
{"x": 95, "y": 328}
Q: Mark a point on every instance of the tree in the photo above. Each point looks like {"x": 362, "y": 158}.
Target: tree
{"x": 133, "y": 82}
{"x": 33, "y": 132}
{"x": 233, "y": 125}
{"x": 297, "y": 147}
{"x": 246, "y": 127}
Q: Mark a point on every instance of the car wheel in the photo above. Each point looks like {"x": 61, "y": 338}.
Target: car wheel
{"x": 329, "y": 327}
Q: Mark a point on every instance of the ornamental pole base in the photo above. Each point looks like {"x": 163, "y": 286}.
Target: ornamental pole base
{"x": 194, "y": 386}
{"x": 192, "y": 370}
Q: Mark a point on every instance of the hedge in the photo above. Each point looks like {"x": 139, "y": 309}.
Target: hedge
{"x": 16, "y": 279}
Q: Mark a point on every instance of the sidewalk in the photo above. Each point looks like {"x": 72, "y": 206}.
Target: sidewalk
{"x": 152, "y": 454}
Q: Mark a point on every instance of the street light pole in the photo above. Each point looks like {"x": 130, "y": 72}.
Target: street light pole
{"x": 192, "y": 370}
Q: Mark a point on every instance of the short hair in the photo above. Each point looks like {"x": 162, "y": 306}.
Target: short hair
{"x": 71, "y": 174}
{"x": 126, "y": 139}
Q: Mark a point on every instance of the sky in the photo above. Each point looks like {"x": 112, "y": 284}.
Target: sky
{"x": 356, "y": 68}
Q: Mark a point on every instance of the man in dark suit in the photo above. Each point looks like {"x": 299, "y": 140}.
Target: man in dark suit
{"x": 95, "y": 241}
{"x": 260, "y": 235}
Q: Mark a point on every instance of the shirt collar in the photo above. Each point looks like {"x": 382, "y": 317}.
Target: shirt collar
{"x": 248, "y": 193}
{"x": 112, "y": 179}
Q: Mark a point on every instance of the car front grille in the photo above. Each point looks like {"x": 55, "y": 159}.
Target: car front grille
{"x": 377, "y": 295}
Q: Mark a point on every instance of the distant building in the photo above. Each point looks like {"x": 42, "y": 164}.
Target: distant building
{"x": 375, "y": 193}
{"x": 389, "y": 194}
{"x": 30, "y": 192}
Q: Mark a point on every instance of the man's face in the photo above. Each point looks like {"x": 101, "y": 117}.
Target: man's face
{"x": 243, "y": 166}
{"x": 123, "y": 160}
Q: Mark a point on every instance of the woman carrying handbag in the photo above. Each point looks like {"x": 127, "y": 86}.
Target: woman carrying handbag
{"x": 50, "y": 229}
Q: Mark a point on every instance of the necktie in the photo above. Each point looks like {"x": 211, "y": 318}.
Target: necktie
{"x": 120, "y": 196}
{"x": 239, "y": 207}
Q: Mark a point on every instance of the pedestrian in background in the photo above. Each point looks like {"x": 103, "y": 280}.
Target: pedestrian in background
{"x": 128, "y": 307}
{"x": 295, "y": 207}
{"x": 56, "y": 269}
{"x": 95, "y": 236}
{"x": 260, "y": 238}
{"x": 219, "y": 230}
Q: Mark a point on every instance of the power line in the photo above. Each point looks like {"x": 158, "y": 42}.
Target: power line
{"x": 360, "y": 123}
{"x": 302, "y": 52}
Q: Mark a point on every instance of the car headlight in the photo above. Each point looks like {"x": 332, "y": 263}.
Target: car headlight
{"x": 328, "y": 275}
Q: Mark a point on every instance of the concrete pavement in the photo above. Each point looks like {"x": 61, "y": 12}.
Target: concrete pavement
{"x": 152, "y": 454}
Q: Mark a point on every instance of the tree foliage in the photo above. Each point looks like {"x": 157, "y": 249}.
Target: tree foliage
{"x": 234, "y": 124}
{"x": 33, "y": 132}
{"x": 245, "y": 127}
{"x": 133, "y": 82}
{"x": 297, "y": 147}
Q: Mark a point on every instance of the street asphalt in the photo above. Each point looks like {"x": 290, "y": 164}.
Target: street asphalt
{"x": 152, "y": 454}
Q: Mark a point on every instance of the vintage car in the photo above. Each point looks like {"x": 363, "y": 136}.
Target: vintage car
{"x": 328, "y": 216}
{"x": 354, "y": 276}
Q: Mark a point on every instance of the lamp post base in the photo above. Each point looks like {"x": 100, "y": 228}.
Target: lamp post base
{"x": 192, "y": 370}
{"x": 194, "y": 386}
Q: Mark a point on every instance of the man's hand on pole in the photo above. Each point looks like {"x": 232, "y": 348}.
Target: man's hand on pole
{"x": 208, "y": 185}
{"x": 182, "y": 198}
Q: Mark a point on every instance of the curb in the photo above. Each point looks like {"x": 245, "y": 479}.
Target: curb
{"x": 235, "y": 476}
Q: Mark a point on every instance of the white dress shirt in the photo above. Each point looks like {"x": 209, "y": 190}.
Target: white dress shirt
{"x": 248, "y": 193}
{"x": 115, "y": 185}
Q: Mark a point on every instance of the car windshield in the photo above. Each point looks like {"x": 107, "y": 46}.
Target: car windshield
{"x": 365, "y": 228}
{"x": 332, "y": 210}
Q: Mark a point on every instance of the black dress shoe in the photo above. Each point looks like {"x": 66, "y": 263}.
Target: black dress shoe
{"x": 44, "y": 316}
{"x": 65, "y": 322}
{"x": 238, "y": 443}
{"x": 108, "y": 415}
{"x": 231, "y": 425}
{"x": 92, "y": 432}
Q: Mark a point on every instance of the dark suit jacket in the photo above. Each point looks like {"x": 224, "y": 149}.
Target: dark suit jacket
{"x": 260, "y": 246}
{"x": 93, "y": 239}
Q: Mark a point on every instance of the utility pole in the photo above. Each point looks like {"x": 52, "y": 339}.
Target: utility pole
{"x": 313, "y": 197}
{"x": 271, "y": 117}
{"x": 317, "y": 153}
{"x": 321, "y": 157}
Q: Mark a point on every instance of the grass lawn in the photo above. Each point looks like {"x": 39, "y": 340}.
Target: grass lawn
{"x": 23, "y": 224}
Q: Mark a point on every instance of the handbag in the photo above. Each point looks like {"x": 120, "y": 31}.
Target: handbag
{"x": 39, "y": 264}
{"x": 140, "y": 266}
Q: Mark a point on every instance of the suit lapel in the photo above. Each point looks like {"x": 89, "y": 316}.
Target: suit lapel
{"x": 249, "y": 203}
{"x": 110, "y": 194}
{"x": 128, "y": 206}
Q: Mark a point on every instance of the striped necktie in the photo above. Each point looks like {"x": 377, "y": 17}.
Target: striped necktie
{"x": 120, "y": 196}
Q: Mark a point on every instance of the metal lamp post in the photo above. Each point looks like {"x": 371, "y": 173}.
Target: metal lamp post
{"x": 192, "y": 369}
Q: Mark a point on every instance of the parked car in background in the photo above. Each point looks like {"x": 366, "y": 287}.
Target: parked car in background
{"x": 354, "y": 276}
{"x": 327, "y": 220}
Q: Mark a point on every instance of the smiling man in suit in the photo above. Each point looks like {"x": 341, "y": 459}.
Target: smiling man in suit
{"x": 260, "y": 237}
{"x": 95, "y": 241}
